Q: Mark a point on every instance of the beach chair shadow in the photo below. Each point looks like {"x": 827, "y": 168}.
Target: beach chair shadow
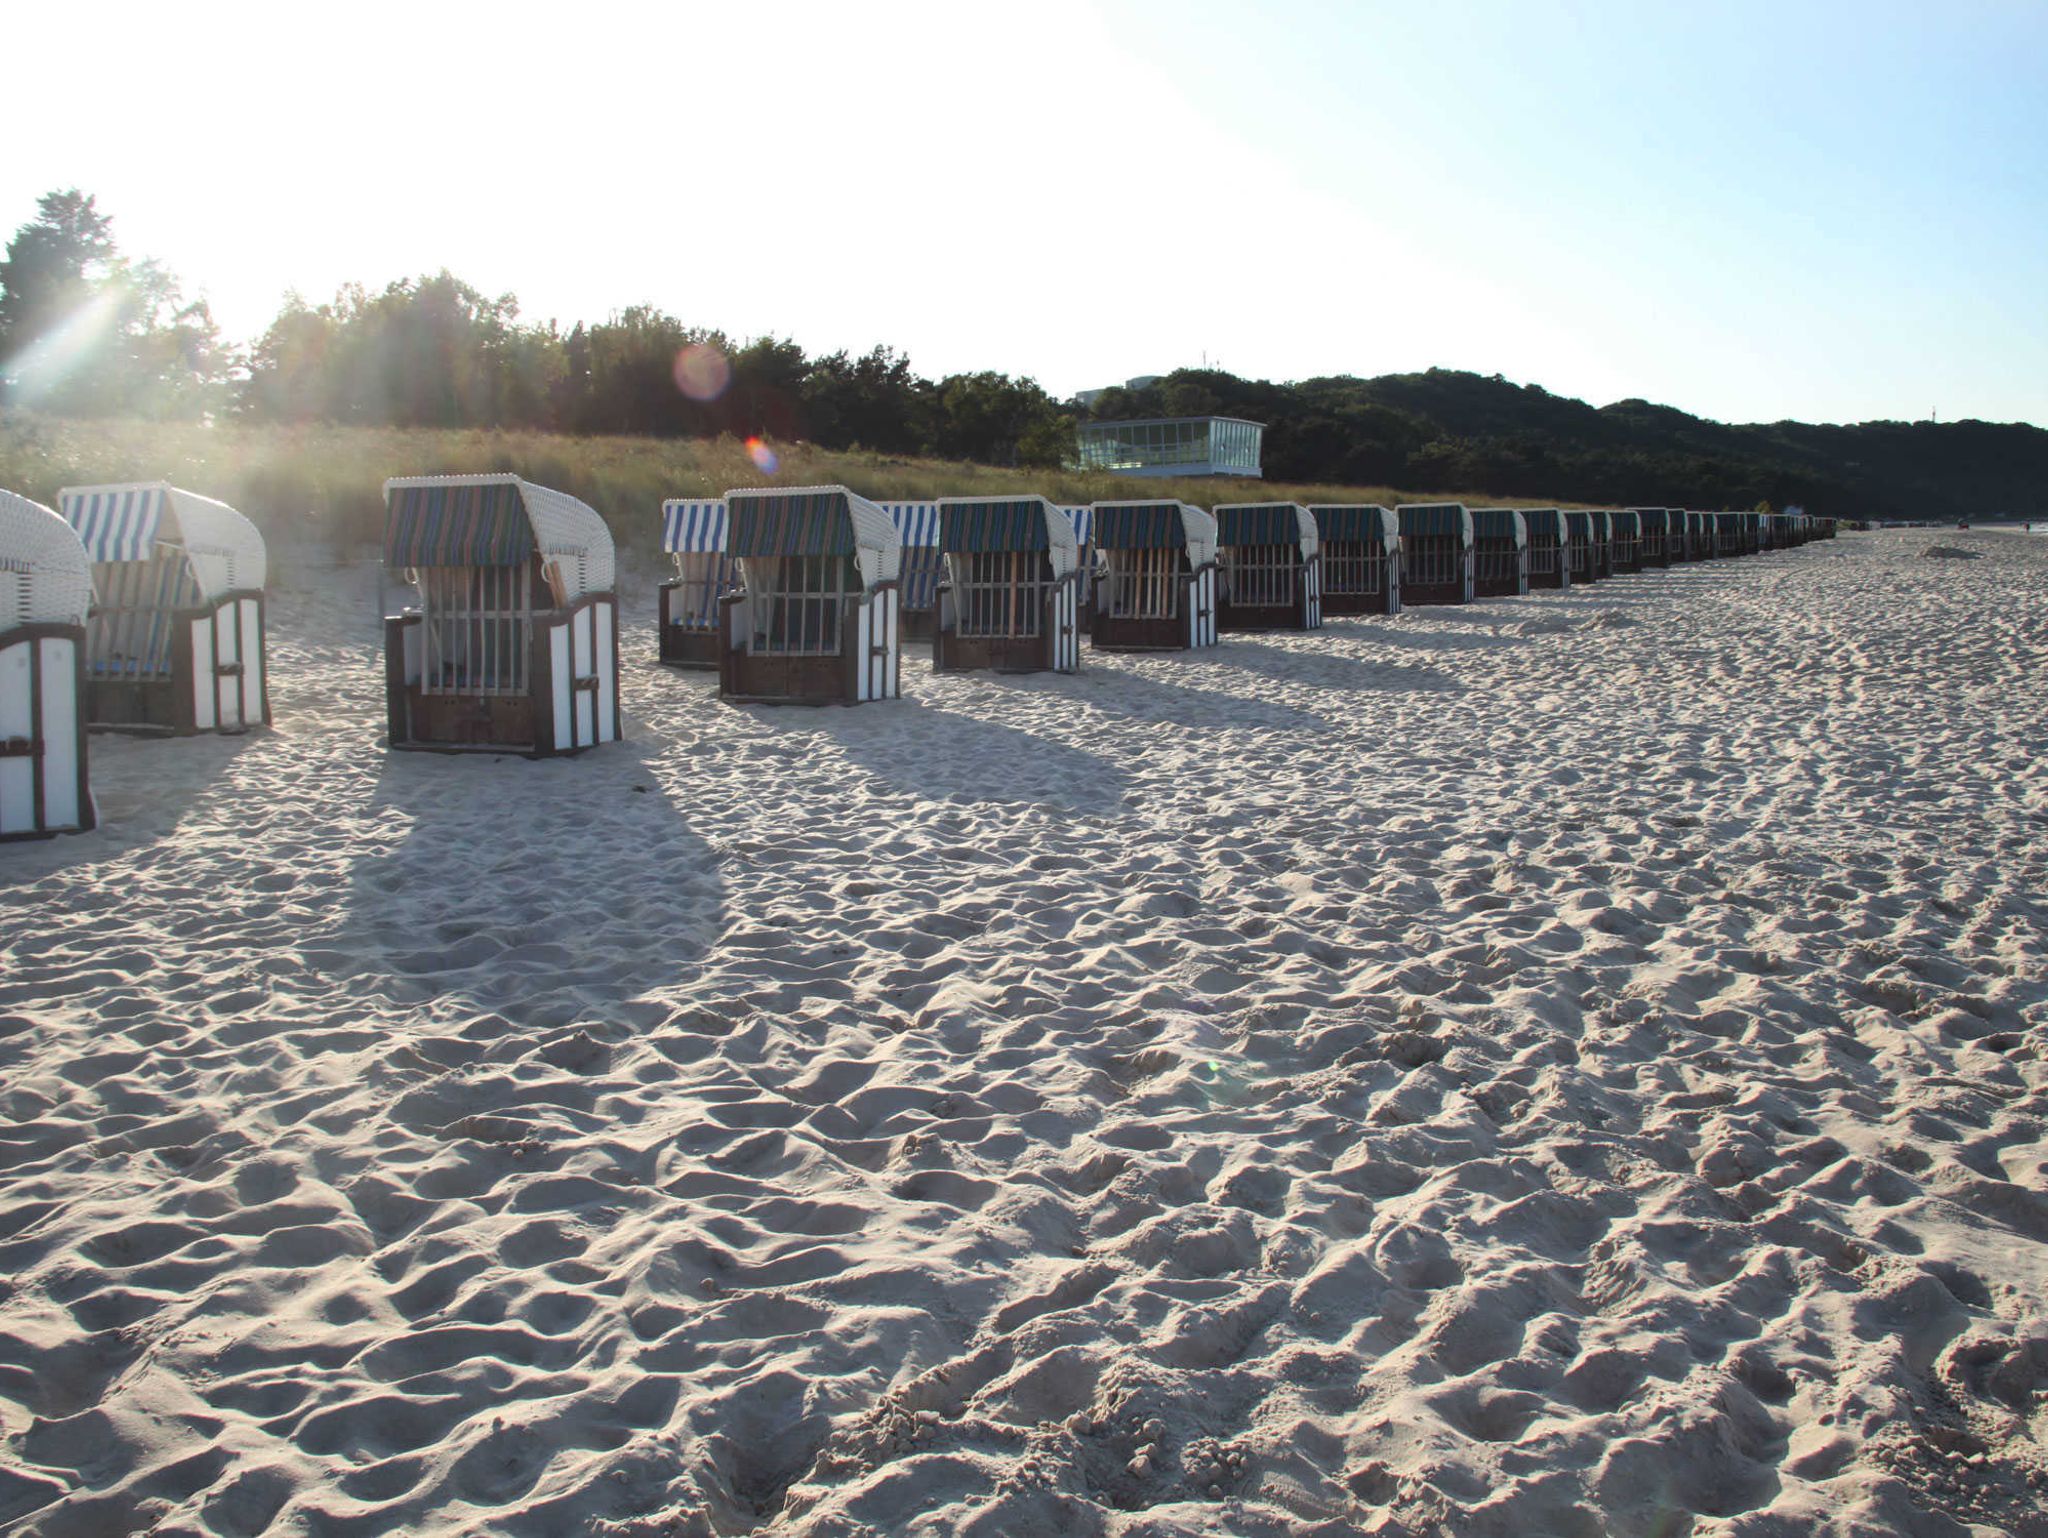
{"x": 1319, "y": 668}
{"x": 1480, "y": 614}
{"x": 1134, "y": 689}
{"x": 1478, "y": 632}
{"x": 941, "y": 754}
{"x": 548, "y": 892}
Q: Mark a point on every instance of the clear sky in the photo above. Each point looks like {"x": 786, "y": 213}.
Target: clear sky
{"x": 1828, "y": 211}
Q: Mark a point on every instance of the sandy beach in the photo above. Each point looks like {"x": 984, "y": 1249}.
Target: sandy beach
{"x": 1568, "y": 1065}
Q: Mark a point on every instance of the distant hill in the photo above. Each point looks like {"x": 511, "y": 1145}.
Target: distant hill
{"x": 1445, "y": 429}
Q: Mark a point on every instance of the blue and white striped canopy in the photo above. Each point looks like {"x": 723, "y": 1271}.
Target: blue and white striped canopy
{"x": 1084, "y": 523}
{"x": 115, "y": 523}
{"x": 921, "y": 567}
{"x": 693, "y": 527}
{"x": 917, "y": 523}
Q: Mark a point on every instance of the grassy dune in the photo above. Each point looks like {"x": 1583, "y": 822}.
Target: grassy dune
{"x": 321, "y": 486}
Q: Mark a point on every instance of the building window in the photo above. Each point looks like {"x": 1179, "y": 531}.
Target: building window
{"x": 1209, "y": 444}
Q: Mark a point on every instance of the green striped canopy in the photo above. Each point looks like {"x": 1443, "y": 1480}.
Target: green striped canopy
{"x": 1653, "y": 520}
{"x": 796, "y": 523}
{"x": 1603, "y": 530}
{"x": 1439, "y": 520}
{"x": 1499, "y": 523}
{"x": 1625, "y": 524}
{"x": 1139, "y": 526}
{"x": 1258, "y": 523}
{"x": 1579, "y": 524}
{"x": 1546, "y": 525}
{"x": 457, "y": 524}
{"x": 1353, "y": 523}
{"x": 970, "y": 527}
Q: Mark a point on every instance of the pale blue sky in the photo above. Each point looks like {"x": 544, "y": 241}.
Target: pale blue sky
{"x": 1824, "y": 211}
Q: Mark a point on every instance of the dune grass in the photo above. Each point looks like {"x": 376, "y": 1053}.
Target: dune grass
{"x": 315, "y": 488}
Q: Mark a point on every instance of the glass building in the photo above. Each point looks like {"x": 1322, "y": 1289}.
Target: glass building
{"x": 1174, "y": 446}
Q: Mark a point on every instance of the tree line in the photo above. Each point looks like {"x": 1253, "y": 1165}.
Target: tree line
{"x": 86, "y": 331}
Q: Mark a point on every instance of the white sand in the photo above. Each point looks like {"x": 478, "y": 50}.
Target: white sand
{"x": 1567, "y": 1066}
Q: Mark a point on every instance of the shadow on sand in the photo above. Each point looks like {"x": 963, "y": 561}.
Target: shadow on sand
{"x": 1322, "y": 669}
{"x": 943, "y": 754}
{"x": 1475, "y": 632}
{"x": 544, "y": 891}
{"x": 1135, "y": 686}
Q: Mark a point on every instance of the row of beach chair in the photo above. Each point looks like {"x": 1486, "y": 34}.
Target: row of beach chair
{"x": 808, "y": 595}
{"x": 141, "y": 606}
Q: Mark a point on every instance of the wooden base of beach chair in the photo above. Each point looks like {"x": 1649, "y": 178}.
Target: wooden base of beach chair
{"x": 1253, "y": 616}
{"x": 1417, "y": 595}
{"x": 1113, "y": 634}
{"x": 991, "y": 654}
{"x": 145, "y": 709}
{"x": 683, "y": 646}
{"x": 747, "y": 679}
{"x": 444, "y": 722}
{"x": 1383, "y": 602}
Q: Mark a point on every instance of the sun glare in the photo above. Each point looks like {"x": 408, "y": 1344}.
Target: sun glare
{"x": 53, "y": 357}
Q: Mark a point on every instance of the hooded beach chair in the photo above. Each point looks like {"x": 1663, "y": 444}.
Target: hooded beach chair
{"x": 175, "y": 642}
{"x": 513, "y": 646}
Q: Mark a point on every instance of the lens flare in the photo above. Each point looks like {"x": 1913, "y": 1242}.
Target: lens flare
{"x": 702, "y": 372}
{"x": 765, "y": 459}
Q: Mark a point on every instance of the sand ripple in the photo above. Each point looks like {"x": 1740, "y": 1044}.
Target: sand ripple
{"x": 1570, "y": 1066}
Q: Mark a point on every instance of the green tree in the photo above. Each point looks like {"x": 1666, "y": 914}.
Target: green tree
{"x": 991, "y": 417}
{"x": 873, "y": 401}
{"x": 630, "y": 363}
{"x": 766, "y": 394}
